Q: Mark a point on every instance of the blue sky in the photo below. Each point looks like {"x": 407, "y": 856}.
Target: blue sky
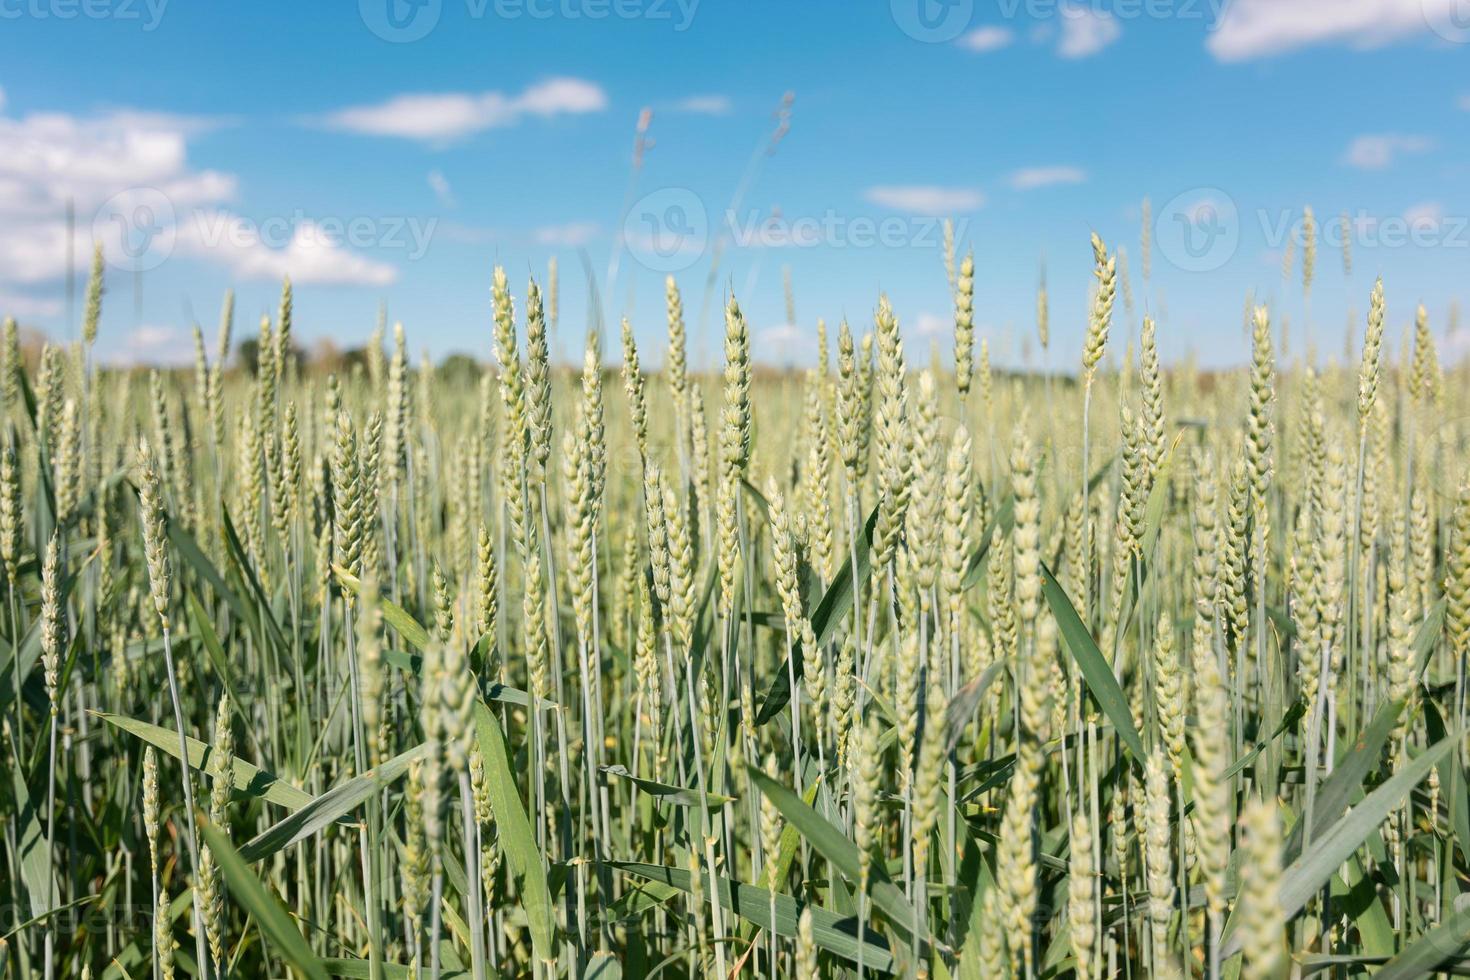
{"x": 397, "y": 160}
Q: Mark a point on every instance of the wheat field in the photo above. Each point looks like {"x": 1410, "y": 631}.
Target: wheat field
{"x": 897, "y": 666}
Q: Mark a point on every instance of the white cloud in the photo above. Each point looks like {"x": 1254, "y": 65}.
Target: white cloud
{"x": 1258, "y": 28}
{"x": 704, "y": 105}
{"x": 154, "y": 344}
{"x": 312, "y": 255}
{"x": 987, "y": 39}
{"x": 54, "y": 161}
{"x": 926, "y": 199}
{"x": 572, "y": 235}
{"x": 34, "y": 252}
{"x": 1085, "y": 32}
{"x": 1377, "y": 151}
{"x": 126, "y": 177}
{"x": 1033, "y": 177}
{"x": 54, "y": 158}
{"x": 932, "y": 325}
{"x": 23, "y": 306}
{"x": 188, "y": 125}
{"x": 451, "y": 115}
{"x": 439, "y": 184}
{"x": 1425, "y": 217}
{"x": 1464, "y": 102}
{"x": 558, "y": 95}
{"x": 781, "y": 335}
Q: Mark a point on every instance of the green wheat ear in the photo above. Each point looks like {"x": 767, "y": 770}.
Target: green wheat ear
{"x": 964, "y": 324}
{"x": 1260, "y": 887}
{"x": 480, "y": 669}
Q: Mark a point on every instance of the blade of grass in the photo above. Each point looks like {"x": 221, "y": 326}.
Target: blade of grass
{"x": 252, "y": 581}
{"x": 329, "y": 807}
{"x": 248, "y": 779}
{"x": 413, "y": 664}
{"x": 393, "y": 614}
{"x": 1306, "y": 876}
{"x": 360, "y": 970}
{"x": 676, "y": 795}
{"x": 835, "y": 846}
{"x": 188, "y": 549}
{"x": 1425, "y": 955}
{"x": 274, "y": 921}
{"x": 32, "y": 849}
{"x": 1346, "y": 781}
{"x": 1096, "y": 671}
{"x": 1452, "y": 778}
{"x": 826, "y": 616}
{"x": 835, "y": 934}
{"x": 516, "y": 835}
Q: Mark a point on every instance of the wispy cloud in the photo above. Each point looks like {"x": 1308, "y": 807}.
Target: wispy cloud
{"x": 184, "y": 123}
{"x": 926, "y": 199}
{"x": 1260, "y": 28}
{"x": 572, "y": 235}
{"x": 1032, "y": 178}
{"x": 1427, "y": 216}
{"x": 126, "y": 173}
{"x": 928, "y": 324}
{"x": 23, "y": 306}
{"x": 312, "y": 254}
{"x": 55, "y": 161}
{"x": 783, "y": 336}
{"x": 439, "y": 184}
{"x": 447, "y": 116}
{"x": 704, "y": 105}
{"x": 1377, "y": 151}
{"x": 153, "y": 344}
{"x": 986, "y": 39}
{"x": 1086, "y": 31}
